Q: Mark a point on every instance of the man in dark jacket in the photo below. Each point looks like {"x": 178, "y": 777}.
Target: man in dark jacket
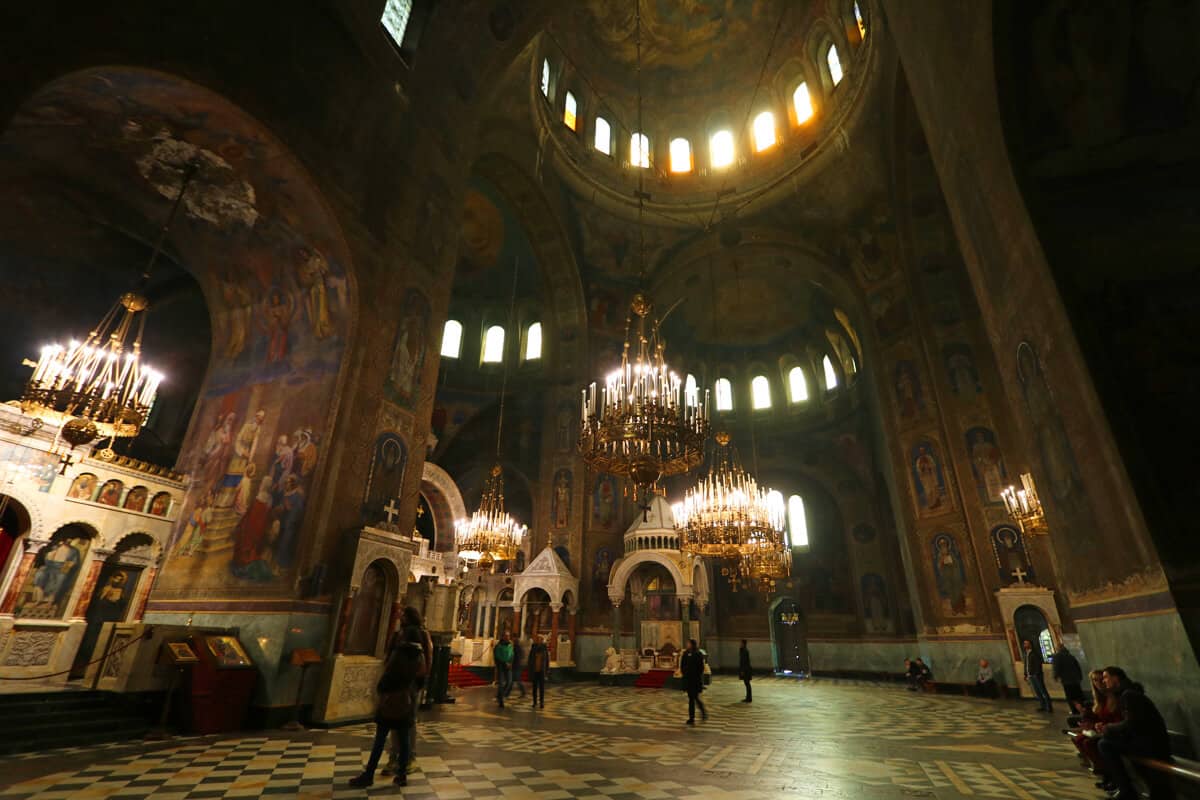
{"x": 1141, "y": 731}
{"x": 1033, "y": 674}
{"x": 502, "y": 657}
{"x": 516, "y": 668}
{"x": 744, "y": 671}
{"x": 1068, "y": 672}
{"x": 691, "y": 666}
{"x": 539, "y": 668}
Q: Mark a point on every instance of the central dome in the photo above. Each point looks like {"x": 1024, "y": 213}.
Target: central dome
{"x": 731, "y": 96}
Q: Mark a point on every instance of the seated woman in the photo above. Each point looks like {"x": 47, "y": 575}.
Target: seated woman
{"x": 924, "y": 673}
{"x": 985, "y": 683}
{"x": 1105, "y": 709}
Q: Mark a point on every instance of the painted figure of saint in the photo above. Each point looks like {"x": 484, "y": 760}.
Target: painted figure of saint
{"x": 930, "y": 484}
{"x": 961, "y": 368}
{"x": 291, "y": 515}
{"x": 562, "y": 499}
{"x": 197, "y": 525}
{"x": 988, "y": 464}
{"x": 160, "y": 504}
{"x": 136, "y": 499}
{"x": 950, "y": 573}
{"x": 1011, "y": 555}
{"x": 312, "y": 275}
{"x": 216, "y": 452}
{"x": 875, "y": 605}
{"x": 110, "y": 493}
{"x": 605, "y": 501}
{"x": 83, "y": 487}
{"x": 250, "y": 534}
{"x": 245, "y": 444}
{"x": 239, "y": 303}
{"x": 908, "y": 390}
{"x": 276, "y": 319}
{"x": 305, "y": 452}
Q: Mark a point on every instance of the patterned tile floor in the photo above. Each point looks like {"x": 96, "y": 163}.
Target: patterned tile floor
{"x": 812, "y": 739}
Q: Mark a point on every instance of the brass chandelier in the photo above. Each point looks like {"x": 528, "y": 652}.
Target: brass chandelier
{"x": 490, "y": 534}
{"x": 99, "y": 388}
{"x": 728, "y": 516}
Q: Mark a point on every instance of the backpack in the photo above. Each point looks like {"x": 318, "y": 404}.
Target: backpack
{"x": 503, "y": 653}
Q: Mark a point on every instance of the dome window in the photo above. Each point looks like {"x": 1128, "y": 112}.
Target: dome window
{"x": 691, "y": 391}
{"x": 493, "y": 345}
{"x": 396, "y": 14}
{"x": 724, "y": 395}
{"x": 545, "y": 77}
{"x": 831, "y": 379}
{"x": 797, "y": 522}
{"x": 639, "y": 150}
{"x": 764, "y": 131}
{"x": 721, "y": 150}
{"x": 862, "y": 23}
{"x": 452, "y": 339}
{"x": 681, "y": 155}
{"x": 570, "y": 108}
{"x": 760, "y": 392}
{"x": 835, "y": 65}
{"x": 603, "y": 138}
{"x": 533, "y": 342}
{"x": 802, "y": 102}
{"x": 797, "y": 385}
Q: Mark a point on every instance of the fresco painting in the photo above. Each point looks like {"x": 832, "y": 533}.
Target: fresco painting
{"x": 606, "y": 501}
{"x": 48, "y": 586}
{"x": 1012, "y": 560}
{"x": 910, "y": 403}
{"x": 385, "y": 476}
{"x": 987, "y": 464}
{"x": 561, "y": 503}
{"x": 960, "y": 366}
{"x": 929, "y": 480}
{"x": 279, "y": 302}
{"x": 409, "y": 351}
{"x": 876, "y": 612}
{"x": 950, "y": 574}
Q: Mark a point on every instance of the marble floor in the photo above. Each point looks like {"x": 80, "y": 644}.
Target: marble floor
{"x": 822, "y": 739}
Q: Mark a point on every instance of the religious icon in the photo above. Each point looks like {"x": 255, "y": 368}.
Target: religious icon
{"x": 600, "y": 569}
{"x": 1011, "y": 559}
{"x": 561, "y": 505}
{"x": 312, "y": 274}
{"x": 929, "y": 481}
{"x": 245, "y": 446}
{"x": 49, "y": 585}
{"x": 82, "y": 487}
{"x": 604, "y": 501}
{"x": 194, "y": 530}
{"x": 136, "y": 499}
{"x": 160, "y": 504}
{"x": 987, "y": 463}
{"x": 408, "y": 352}
{"x": 239, "y": 304}
{"x": 564, "y": 428}
{"x": 950, "y": 573}
{"x": 385, "y": 477}
{"x": 960, "y": 366}
{"x": 277, "y": 315}
{"x": 875, "y": 603}
{"x": 227, "y": 651}
{"x": 110, "y": 493}
{"x": 909, "y": 400}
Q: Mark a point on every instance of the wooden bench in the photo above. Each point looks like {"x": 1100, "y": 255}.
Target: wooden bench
{"x": 1183, "y": 773}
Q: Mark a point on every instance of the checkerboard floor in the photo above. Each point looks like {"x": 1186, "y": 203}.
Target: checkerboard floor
{"x": 824, "y": 740}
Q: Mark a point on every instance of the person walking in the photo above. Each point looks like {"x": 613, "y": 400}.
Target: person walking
{"x": 691, "y": 665}
{"x": 1067, "y": 671}
{"x": 539, "y": 668}
{"x": 411, "y": 625}
{"x": 502, "y": 656}
{"x": 396, "y": 710}
{"x": 516, "y": 669}
{"x": 744, "y": 671}
{"x": 1033, "y": 674}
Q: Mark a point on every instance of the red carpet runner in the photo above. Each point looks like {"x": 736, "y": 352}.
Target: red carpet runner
{"x": 654, "y": 679}
{"x": 463, "y": 678}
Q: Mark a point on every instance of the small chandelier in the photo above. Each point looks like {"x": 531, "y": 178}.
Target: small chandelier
{"x": 642, "y": 426}
{"x": 727, "y": 514}
{"x": 490, "y": 534}
{"x": 99, "y": 388}
{"x": 1024, "y": 506}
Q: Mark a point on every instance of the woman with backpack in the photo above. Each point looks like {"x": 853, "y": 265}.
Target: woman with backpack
{"x": 405, "y": 667}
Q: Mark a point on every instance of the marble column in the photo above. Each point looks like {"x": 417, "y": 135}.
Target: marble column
{"x": 18, "y": 582}
{"x": 89, "y": 587}
{"x": 516, "y": 622}
{"x": 616, "y": 627}
{"x": 555, "y": 608}
{"x": 343, "y": 624}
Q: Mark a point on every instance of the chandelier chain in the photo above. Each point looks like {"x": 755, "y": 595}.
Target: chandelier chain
{"x": 512, "y": 303}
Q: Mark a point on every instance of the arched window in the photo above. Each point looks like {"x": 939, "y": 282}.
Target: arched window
{"x": 724, "y": 395}
{"x": 862, "y": 23}
{"x": 720, "y": 148}
{"x": 452, "y": 339}
{"x": 570, "y": 108}
{"x": 760, "y": 392}
{"x": 395, "y": 19}
{"x": 797, "y": 521}
{"x": 533, "y": 342}
{"x": 681, "y": 155}
{"x": 778, "y": 511}
{"x": 493, "y": 345}
{"x": 802, "y": 102}
{"x": 797, "y": 385}
{"x": 546, "y": 77}
{"x": 691, "y": 391}
{"x": 639, "y": 150}
{"x": 830, "y": 374}
{"x": 835, "y": 65}
{"x": 764, "y": 131}
{"x": 603, "y": 140}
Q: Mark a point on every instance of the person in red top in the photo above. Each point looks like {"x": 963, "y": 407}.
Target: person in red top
{"x": 1104, "y": 710}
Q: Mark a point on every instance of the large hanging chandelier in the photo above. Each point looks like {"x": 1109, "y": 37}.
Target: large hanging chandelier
{"x": 489, "y": 534}
{"x": 640, "y": 424}
{"x": 728, "y": 516}
{"x": 99, "y": 387}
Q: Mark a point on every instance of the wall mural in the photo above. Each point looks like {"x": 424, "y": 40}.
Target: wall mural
{"x": 606, "y": 501}
{"x": 602, "y": 563}
{"x": 272, "y": 265}
{"x": 863, "y": 533}
{"x": 56, "y": 569}
{"x": 560, "y": 506}
{"x": 910, "y": 402}
{"x": 950, "y": 575}
{"x": 1009, "y": 547}
{"x": 83, "y": 487}
{"x": 929, "y": 480}
{"x": 385, "y": 477}
{"x": 876, "y": 612}
{"x": 987, "y": 464}
{"x": 960, "y": 366}
{"x": 408, "y": 353}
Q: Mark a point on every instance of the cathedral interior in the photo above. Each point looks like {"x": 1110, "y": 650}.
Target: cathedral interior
{"x": 923, "y": 266}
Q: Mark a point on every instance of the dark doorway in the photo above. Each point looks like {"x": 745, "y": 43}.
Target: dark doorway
{"x": 789, "y": 631}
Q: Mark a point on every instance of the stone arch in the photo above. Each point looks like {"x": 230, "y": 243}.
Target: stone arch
{"x": 445, "y": 503}
{"x": 137, "y": 539}
{"x": 624, "y": 568}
